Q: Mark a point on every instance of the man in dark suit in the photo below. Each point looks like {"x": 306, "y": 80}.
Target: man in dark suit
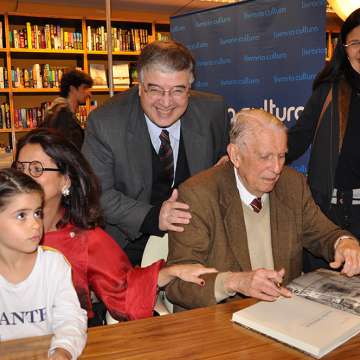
{"x": 144, "y": 142}
{"x": 251, "y": 217}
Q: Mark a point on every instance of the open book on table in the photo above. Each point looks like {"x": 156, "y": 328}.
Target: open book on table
{"x": 311, "y": 326}
{"x": 329, "y": 288}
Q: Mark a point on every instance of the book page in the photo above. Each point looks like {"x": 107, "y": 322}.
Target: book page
{"x": 330, "y": 288}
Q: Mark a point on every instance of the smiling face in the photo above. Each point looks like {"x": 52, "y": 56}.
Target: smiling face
{"x": 21, "y": 224}
{"x": 260, "y": 160}
{"x": 353, "y": 51}
{"x": 53, "y": 182}
{"x": 166, "y": 109}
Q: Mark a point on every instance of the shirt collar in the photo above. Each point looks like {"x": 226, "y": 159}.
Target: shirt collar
{"x": 245, "y": 196}
{"x": 154, "y": 130}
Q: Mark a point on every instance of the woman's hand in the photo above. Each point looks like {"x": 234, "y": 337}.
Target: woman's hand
{"x": 186, "y": 272}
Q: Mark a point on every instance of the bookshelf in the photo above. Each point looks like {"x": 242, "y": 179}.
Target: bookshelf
{"x": 36, "y": 50}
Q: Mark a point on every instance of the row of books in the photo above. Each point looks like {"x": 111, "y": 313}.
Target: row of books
{"x": 40, "y": 76}
{"x": 48, "y": 36}
{"x": 3, "y": 77}
{"x": 5, "y": 120}
{"x": 163, "y": 36}
{"x": 121, "y": 76}
{"x": 37, "y": 76}
{"x": 28, "y": 117}
{"x": 124, "y": 74}
{"x": 25, "y": 118}
{"x": 122, "y": 39}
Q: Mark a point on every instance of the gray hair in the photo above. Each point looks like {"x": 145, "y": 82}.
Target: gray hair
{"x": 167, "y": 56}
{"x": 248, "y": 122}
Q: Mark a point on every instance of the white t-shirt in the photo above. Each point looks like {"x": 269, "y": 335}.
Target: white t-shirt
{"x": 44, "y": 303}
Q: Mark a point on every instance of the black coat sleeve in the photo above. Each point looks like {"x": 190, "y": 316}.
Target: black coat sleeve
{"x": 301, "y": 135}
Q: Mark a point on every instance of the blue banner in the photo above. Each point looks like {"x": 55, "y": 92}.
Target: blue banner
{"x": 258, "y": 53}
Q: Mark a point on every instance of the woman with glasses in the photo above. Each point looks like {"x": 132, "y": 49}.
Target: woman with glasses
{"x": 331, "y": 123}
{"x": 71, "y": 224}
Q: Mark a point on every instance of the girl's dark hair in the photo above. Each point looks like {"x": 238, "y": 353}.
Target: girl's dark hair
{"x": 82, "y": 206}
{"x": 334, "y": 70}
{"x": 14, "y": 182}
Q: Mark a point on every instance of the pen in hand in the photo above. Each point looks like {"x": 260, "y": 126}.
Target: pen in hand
{"x": 283, "y": 291}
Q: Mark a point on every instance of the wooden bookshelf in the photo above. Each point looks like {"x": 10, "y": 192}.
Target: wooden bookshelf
{"x": 18, "y": 58}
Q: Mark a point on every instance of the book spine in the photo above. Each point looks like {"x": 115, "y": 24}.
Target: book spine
{"x": 29, "y": 35}
{"x": 2, "y": 69}
{"x": 7, "y": 116}
{"x": 88, "y": 38}
{"x": 1, "y": 35}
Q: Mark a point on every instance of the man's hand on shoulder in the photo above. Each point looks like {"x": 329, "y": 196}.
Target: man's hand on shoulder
{"x": 173, "y": 214}
{"x": 261, "y": 284}
{"x": 347, "y": 252}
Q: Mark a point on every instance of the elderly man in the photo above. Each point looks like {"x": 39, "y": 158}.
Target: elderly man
{"x": 251, "y": 218}
{"x": 146, "y": 141}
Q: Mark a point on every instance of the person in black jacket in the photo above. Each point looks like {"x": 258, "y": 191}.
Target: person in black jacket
{"x": 61, "y": 115}
{"x": 330, "y": 122}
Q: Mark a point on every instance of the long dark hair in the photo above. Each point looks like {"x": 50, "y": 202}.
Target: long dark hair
{"x": 82, "y": 206}
{"x": 14, "y": 182}
{"x": 334, "y": 70}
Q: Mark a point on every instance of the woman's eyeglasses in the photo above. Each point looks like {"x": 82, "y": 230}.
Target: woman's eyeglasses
{"x": 353, "y": 44}
{"x": 35, "y": 168}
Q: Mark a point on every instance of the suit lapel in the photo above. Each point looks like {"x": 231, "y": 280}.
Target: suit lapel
{"x": 233, "y": 215}
{"x": 194, "y": 141}
{"x": 282, "y": 230}
{"x": 139, "y": 146}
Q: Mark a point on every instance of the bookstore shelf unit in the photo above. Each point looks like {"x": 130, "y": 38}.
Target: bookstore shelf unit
{"x": 36, "y": 50}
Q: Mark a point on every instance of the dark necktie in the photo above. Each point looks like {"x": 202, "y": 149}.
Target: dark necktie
{"x": 166, "y": 155}
{"x": 256, "y": 204}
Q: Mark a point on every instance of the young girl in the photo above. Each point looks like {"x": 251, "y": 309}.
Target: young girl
{"x": 36, "y": 292}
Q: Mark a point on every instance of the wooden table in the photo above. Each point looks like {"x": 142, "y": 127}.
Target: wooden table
{"x": 204, "y": 333}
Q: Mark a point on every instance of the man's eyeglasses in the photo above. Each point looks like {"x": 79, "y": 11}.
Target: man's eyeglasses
{"x": 35, "y": 168}
{"x": 156, "y": 92}
{"x": 353, "y": 44}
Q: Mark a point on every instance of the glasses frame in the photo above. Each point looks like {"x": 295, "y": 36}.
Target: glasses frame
{"x": 354, "y": 43}
{"x": 160, "y": 93}
{"x": 35, "y": 162}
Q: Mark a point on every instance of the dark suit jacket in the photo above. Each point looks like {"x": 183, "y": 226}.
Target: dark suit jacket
{"x": 216, "y": 236}
{"x": 118, "y": 147}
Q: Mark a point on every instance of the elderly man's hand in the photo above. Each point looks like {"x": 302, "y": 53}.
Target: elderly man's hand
{"x": 261, "y": 284}
{"x": 347, "y": 252}
{"x": 173, "y": 214}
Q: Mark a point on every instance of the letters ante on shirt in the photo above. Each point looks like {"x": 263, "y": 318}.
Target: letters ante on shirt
{"x": 23, "y": 317}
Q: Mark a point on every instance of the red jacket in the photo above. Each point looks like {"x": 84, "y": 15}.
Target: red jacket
{"x": 100, "y": 265}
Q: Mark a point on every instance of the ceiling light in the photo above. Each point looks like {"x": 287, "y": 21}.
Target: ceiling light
{"x": 344, "y": 8}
